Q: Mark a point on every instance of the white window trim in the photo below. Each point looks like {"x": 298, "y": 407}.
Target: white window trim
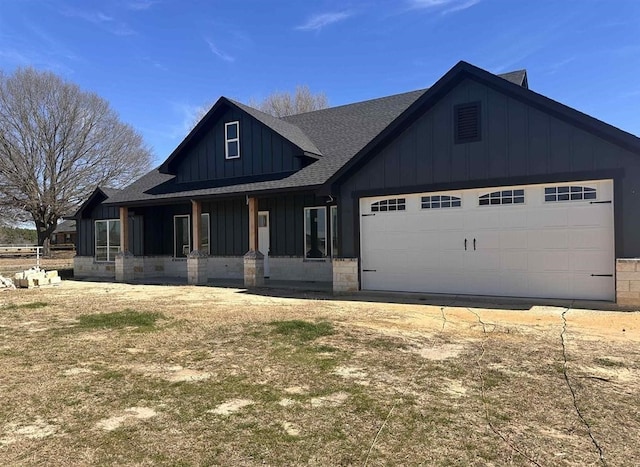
{"x": 324, "y": 208}
{"x": 95, "y": 241}
{"x": 208, "y": 224}
{"x": 188, "y": 216}
{"x": 333, "y": 226}
{"x": 228, "y": 140}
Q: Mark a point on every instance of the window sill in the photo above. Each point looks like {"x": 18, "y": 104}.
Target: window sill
{"x": 315, "y": 260}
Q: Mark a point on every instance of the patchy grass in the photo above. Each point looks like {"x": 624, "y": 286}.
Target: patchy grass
{"x": 143, "y": 321}
{"x": 26, "y": 306}
{"x": 231, "y": 378}
{"x": 303, "y": 331}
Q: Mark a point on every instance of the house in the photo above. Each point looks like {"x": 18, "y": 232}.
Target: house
{"x": 477, "y": 185}
{"x": 64, "y": 237}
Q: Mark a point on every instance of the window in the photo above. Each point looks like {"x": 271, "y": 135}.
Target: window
{"x": 467, "y": 123}
{"x": 394, "y": 204}
{"x": 568, "y": 193}
{"x": 502, "y": 197}
{"x": 232, "y": 140}
{"x": 440, "y": 202}
{"x": 181, "y": 236}
{"x": 334, "y": 231}
{"x": 107, "y": 239}
{"x": 204, "y": 233}
{"x": 315, "y": 233}
{"x": 263, "y": 220}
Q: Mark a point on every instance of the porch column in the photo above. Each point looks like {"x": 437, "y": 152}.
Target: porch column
{"x": 253, "y": 260}
{"x": 196, "y": 215}
{"x": 124, "y": 258}
{"x": 197, "y": 260}
{"x": 124, "y": 229}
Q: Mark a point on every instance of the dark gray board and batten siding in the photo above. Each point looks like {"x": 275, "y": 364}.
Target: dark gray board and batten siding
{"x": 229, "y": 225}
{"x": 520, "y": 144}
{"x": 86, "y": 230}
{"x": 262, "y": 152}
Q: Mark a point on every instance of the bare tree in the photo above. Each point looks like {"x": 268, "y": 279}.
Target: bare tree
{"x": 57, "y": 143}
{"x": 281, "y": 104}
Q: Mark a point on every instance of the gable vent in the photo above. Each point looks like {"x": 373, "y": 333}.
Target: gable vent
{"x": 467, "y": 122}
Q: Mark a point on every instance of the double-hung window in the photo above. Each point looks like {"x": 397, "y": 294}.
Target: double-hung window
{"x": 107, "y": 239}
{"x": 181, "y": 236}
{"x": 315, "y": 232}
{"x": 335, "y": 252}
{"x": 232, "y": 140}
{"x": 204, "y": 233}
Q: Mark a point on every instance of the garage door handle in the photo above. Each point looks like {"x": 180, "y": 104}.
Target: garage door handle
{"x": 474, "y": 244}
{"x": 465, "y": 244}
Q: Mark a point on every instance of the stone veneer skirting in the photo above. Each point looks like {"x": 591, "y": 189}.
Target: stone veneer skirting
{"x": 628, "y": 282}
{"x": 345, "y": 275}
{"x": 217, "y": 267}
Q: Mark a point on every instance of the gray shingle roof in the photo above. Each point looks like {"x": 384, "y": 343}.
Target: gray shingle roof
{"x": 68, "y": 225}
{"x": 336, "y": 133}
{"x": 282, "y": 127}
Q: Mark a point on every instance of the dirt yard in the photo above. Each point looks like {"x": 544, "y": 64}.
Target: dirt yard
{"x": 113, "y": 374}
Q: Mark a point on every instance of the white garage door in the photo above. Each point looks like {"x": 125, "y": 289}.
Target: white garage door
{"x": 551, "y": 240}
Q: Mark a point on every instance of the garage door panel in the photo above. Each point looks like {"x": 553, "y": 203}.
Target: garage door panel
{"x": 514, "y": 261}
{"x": 542, "y": 248}
{"x": 515, "y": 219}
{"x": 517, "y": 283}
{"x": 592, "y": 287}
{"x": 548, "y": 239}
{"x": 589, "y": 238}
{"x": 595, "y": 262}
{"x": 514, "y": 240}
{"x": 589, "y": 215}
{"x": 541, "y": 218}
{"x": 548, "y": 284}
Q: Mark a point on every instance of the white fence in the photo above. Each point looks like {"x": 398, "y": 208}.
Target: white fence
{"x": 22, "y": 250}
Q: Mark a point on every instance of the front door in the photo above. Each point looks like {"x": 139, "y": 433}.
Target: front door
{"x": 263, "y": 238}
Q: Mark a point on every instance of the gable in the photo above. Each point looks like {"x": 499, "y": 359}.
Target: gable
{"x": 516, "y": 140}
{"x": 234, "y": 143}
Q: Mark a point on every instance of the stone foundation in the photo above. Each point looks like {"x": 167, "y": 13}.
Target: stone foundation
{"x": 282, "y": 268}
{"x": 345, "y": 275}
{"x": 125, "y": 267}
{"x": 86, "y": 267}
{"x": 253, "y": 269}
{"x": 197, "y": 263}
{"x": 225, "y": 267}
{"x": 296, "y": 268}
{"x": 628, "y": 282}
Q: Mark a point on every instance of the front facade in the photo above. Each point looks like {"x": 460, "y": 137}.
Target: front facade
{"x": 477, "y": 185}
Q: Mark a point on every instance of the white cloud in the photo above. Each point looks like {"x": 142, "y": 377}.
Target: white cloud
{"x": 317, "y": 22}
{"x": 217, "y": 52}
{"x": 447, "y": 6}
{"x": 106, "y": 22}
{"x": 139, "y": 5}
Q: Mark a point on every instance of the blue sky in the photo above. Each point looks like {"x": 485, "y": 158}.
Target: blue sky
{"x": 157, "y": 61}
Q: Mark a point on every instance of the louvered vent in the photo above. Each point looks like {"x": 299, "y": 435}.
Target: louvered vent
{"x": 467, "y": 123}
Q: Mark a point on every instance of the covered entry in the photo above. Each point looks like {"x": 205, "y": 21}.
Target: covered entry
{"x": 551, "y": 240}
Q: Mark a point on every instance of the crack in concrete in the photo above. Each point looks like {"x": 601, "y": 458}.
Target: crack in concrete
{"x": 573, "y": 393}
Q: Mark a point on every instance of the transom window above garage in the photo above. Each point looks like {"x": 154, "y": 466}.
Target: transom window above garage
{"x": 392, "y": 204}
{"x": 568, "y": 193}
{"x": 440, "y": 202}
{"x": 502, "y": 197}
